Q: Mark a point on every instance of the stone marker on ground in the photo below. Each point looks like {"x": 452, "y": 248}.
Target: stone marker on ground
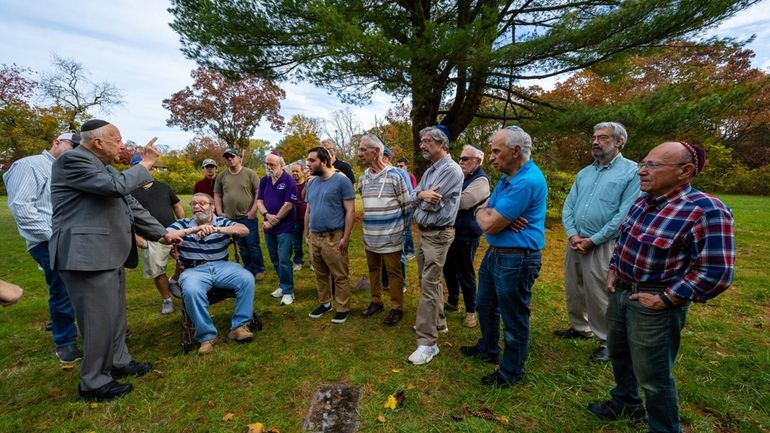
{"x": 334, "y": 409}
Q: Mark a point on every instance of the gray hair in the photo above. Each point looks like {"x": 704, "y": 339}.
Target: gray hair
{"x": 436, "y": 134}
{"x": 518, "y": 137}
{"x": 373, "y": 141}
{"x": 618, "y": 131}
{"x": 475, "y": 151}
{"x": 297, "y": 164}
{"x": 203, "y": 194}
{"x": 281, "y": 162}
{"x": 328, "y": 141}
{"x": 89, "y": 136}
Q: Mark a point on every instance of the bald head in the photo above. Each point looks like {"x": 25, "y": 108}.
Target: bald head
{"x": 665, "y": 168}
{"x": 105, "y": 142}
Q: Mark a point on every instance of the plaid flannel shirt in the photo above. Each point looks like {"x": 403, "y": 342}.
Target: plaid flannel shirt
{"x": 684, "y": 238}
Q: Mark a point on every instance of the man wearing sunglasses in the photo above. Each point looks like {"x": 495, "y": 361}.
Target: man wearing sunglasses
{"x": 235, "y": 197}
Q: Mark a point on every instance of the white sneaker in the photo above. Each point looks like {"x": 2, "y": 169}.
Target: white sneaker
{"x": 423, "y": 354}
{"x": 287, "y": 299}
{"x": 277, "y": 293}
{"x": 167, "y": 306}
{"x": 297, "y": 267}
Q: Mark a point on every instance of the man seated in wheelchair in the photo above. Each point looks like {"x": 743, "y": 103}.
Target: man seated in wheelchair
{"x": 203, "y": 254}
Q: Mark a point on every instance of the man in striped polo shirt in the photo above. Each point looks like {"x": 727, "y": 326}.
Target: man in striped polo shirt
{"x": 28, "y": 181}
{"x": 203, "y": 254}
{"x": 385, "y": 197}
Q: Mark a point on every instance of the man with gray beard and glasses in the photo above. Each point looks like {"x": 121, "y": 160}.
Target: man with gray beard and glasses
{"x": 203, "y": 254}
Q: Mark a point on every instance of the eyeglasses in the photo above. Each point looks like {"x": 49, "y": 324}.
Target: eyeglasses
{"x": 199, "y": 203}
{"x": 601, "y": 137}
{"x": 466, "y": 158}
{"x": 654, "y": 165}
{"x": 270, "y": 164}
{"x": 427, "y": 140}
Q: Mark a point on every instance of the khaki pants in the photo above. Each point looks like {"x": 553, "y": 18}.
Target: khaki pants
{"x": 431, "y": 256}
{"x": 328, "y": 261}
{"x": 393, "y": 264}
{"x": 584, "y": 278}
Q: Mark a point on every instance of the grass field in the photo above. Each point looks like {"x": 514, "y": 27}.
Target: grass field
{"x": 723, "y": 370}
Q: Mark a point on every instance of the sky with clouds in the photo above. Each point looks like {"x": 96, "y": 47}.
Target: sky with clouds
{"x": 129, "y": 43}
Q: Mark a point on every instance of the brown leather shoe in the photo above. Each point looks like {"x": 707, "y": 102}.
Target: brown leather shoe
{"x": 241, "y": 334}
{"x": 394, "y": 317}
{"x": 372, "y": 309}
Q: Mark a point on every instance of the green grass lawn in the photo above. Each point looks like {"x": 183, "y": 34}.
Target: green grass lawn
{"x": 723, "y": 370}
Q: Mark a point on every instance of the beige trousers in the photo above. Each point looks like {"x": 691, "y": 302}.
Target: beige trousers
{"x": 431, "y": 256}
{"x": 328, "y": 261}
{"x": 584, "y": 278}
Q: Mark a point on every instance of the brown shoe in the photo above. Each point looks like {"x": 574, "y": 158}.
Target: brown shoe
{"x": 259, "y": 276}
{"x": 470, "y": 320}
{"x": 206, "y": 347}
{"x": 372, "y": 309}
{"x": 394, "y": 317}
{"x": 241, "y": 334}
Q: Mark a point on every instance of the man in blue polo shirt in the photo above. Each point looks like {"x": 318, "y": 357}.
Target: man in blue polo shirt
{"x": 275, "y": 200}
{"x": 512, "y": 262}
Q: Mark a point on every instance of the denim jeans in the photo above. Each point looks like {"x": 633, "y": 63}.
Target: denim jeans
{"x": 279, "y": 249}
{"x": 251, "y": 252}
{"x": 643, "y": 344}
{"x": 299, "y": 231}
{"x": 505, "y": 289}
{"x": 408, "y": 238}
{"x": 196, "y": 283}
{"x": 59, "y": 307}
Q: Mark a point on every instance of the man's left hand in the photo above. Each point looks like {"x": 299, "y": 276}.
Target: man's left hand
{"x": 649, "y": 300}
{"x": 173, "y": 239}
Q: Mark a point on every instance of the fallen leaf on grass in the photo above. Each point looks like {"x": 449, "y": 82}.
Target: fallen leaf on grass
{"x": 380, "y": 419}
{"x": 395, "y": 370}
{"x": 487, "y": 414}
{"x": 93, "y": 405}
{"x": 410, "y": 386}
{"x": 390, "y": 403}
{"x": 273, "y": 430}
{"x": 400, "y": 397}
{"x": 228, "y": 416}
{"x": 256, "y": 427}
{"x": 211, "y": 403}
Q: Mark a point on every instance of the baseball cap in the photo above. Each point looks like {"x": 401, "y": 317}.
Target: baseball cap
{"x": 136, "y": 159}
{"x": 209, "y": 161}
{"x": 387, "y": 152}
{"x": 71, "y": 137}
{"x": 230, "y": 152}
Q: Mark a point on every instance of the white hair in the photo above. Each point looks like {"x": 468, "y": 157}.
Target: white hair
{"x": 373, "y": 141}
{"x": 475, "y": 151}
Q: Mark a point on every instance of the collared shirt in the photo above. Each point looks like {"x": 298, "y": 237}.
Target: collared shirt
{"x": 28, "y": 182}
{"x": 211, "y": 248}
{"x": 599, "y": 200}
{"x": 275, "y": 195}
{"x": 524, "y": 194}
{"x": 684, "y": 238}
{"x": 448, "y": 177}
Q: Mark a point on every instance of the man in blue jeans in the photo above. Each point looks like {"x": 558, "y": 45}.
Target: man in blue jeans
{"x": 676, "y": 246}
{"x": 29, "y": 200}
{"x": 203, "y": 254}
{"x": 275, "y": 201}
{"x": 512, "y": 262}
{"x": 235, "y": 197}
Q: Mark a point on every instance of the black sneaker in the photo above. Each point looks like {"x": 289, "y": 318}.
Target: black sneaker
{"x": 340, "y": 317}
{"x": 608, "y": 411}
{"x": 475, "y": 353}
{"x": 319, "y": 311}
{"x": 133, "y": 368}
{"x": 497, "y": 381}
{"x": 68, "y": 354}
{"x": 449, "y": 307}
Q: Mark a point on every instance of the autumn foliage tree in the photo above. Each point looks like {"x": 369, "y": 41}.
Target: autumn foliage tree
{"x": 229, "y": 109}
{"x": 302, "y": 134}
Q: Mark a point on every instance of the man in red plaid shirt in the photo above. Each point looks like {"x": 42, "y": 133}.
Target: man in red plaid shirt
{"x": 676, "y": 246}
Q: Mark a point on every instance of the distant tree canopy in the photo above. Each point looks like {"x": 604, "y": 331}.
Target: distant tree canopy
{"x": 446, "y": 56}
{"x": 229, "y": 109}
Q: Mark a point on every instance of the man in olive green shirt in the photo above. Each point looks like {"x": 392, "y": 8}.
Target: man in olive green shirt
{"x": 235, "y": 197}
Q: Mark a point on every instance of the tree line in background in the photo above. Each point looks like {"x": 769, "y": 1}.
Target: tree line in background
{"x": 706, "y": 93}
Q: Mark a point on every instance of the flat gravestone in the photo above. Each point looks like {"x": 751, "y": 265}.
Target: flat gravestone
{"x": 334, "y": 409}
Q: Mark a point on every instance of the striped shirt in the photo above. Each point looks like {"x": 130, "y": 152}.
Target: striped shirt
{"x": 211, "y": 248}
{"x": 28, "y": 182}
{"x": 683, "y": 238}
{"x": 448, "y": 177}
{"x": 385, "y": 198}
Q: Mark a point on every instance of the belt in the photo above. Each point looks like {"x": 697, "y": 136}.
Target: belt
{"x": 496, "y": 250}
{"x": 189, "y": 264}
{"x": 326, "y": 234}
{"x": 433, "y": 228}
{"x": 641, "y": 287}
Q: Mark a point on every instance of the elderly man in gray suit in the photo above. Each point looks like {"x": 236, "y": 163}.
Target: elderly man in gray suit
{"x": 93, "y": 222}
